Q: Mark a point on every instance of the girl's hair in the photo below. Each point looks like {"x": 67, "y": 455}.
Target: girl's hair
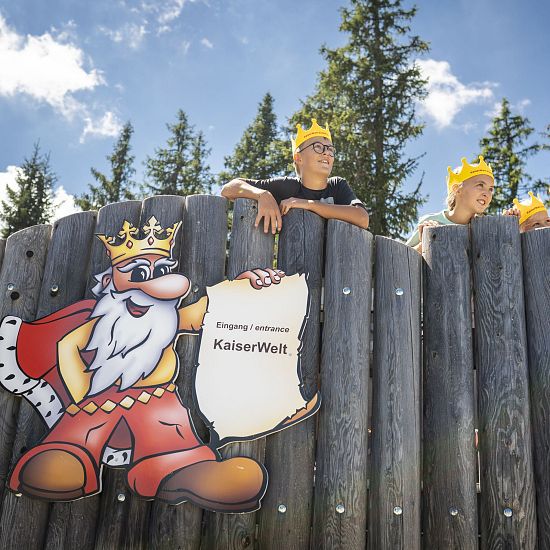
{"x": 451, "y": 197}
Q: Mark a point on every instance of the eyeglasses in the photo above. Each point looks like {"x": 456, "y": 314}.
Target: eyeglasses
{"x": 320, "y": 148}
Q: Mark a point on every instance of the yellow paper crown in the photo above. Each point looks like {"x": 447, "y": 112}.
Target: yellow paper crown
{"x": 314, "y": 131}
{"x": 130, "y": 247}
{"x": 467, "y": 170}
{"x": 529, "y": 207}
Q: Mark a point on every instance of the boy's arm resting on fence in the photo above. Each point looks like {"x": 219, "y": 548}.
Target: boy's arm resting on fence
{"x": 351, "y": 213}
{"x": 268, "y": 209}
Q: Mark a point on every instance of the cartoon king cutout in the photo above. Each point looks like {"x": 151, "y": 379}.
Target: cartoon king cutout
{"x": 101, "y": 374}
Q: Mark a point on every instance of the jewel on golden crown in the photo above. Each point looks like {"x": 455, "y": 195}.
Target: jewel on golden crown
{"x": 303, "y": 135}
{"x": 130, "y": 247}
{"x": 529, "y": 207}
{"x": 466, "y": 171}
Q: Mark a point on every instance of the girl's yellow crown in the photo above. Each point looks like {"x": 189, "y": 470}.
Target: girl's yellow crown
{"x": 304, "y": 135}
{"x": 529, "y": 207}
{"x": 467, "y": 170}
{"x": 130, "y": 247}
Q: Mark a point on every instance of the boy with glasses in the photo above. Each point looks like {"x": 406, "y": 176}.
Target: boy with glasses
{"x": 312, "y": 189}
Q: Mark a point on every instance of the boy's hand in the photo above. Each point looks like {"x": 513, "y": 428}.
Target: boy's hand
{"x": 260, "y": 278}
{"x": 269, "y": 211}
{"x": 511, "y": 212}
{"x": 289, "y": 204}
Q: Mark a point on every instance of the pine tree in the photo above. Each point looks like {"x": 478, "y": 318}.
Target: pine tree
{"x": 180, "y": 167}
{"x": 30, "y": 202}
{"x": 543, "y": 185}
{"x": 120, "y": 185}
{"x": 507, "y": 150}
{"x": 368, "y": 95}
{"x": 260, "y": 153}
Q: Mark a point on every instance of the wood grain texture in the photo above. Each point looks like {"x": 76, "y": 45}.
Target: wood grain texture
{"x": 501, "y": 360}
{"x": 249, "y": 248}
{"x": 23, "y": 267}
{"x": 449, "y": 452}
{"x": 290, "y": 454}
{"x": 536, "y": 259}
{"x": 66, "y": 268}
{"x": 2, "y": 250}
{"x": 63, "y": 530}
{"x": 395, "y": 471}
{"x": 342, "y": 443}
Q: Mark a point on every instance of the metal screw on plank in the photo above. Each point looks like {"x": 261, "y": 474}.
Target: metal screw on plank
{"x": 508, "y": 512}
{"x": 54, "y": 291}
{"x": 11, "y": 286}
{"x": 346, "y": 290}
{"x": 340, "y": 508}
{"x": 398, "y": 510}
{"x": 399, "y": 291}
{"x": 453, "y": 510}
{"x": 121, "y": 497}
{"x": 195, "y": 289}
{"x": 281, "y": 509}
{"x": 18, "y": 495}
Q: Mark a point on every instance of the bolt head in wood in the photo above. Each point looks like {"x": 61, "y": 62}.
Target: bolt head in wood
{"x": 399, "y": 291}
{"x": 281, "y": 508}
{"x": 453, "y": 510}
{"x": 11, "y": 287}
{"x": 54, "y": 290}
{"x": 121, "y": 497}
{"x": 340, "y": 508}
{"x": 346, "y": 290}
{"x": 397, "y": 510}
{"x": 508, "y": 512}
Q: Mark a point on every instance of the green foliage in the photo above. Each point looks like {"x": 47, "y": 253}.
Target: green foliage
{"x": 260, "y": 153}
{"x": 507, "y": 149}
{"x": 180, "y": 168}
{"x": 368, "y": 95}
{"x": 119, "y": 186}
{"x": 30, "y": 203}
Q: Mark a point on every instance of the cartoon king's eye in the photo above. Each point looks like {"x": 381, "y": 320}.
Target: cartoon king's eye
{"x": 139, "y": 274}
{"x": 161, "y": 270}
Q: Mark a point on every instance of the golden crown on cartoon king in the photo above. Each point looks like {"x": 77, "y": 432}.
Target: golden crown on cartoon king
{"x": 130, "y": 247}
{"x": 529, "y": 207}
{"x": 467, "y": 170}
{"x": 304, "y": 135}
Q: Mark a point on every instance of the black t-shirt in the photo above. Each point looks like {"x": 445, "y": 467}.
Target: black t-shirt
{"x": 337, "y": 190}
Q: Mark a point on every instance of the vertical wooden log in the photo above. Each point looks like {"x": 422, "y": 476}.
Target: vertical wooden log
{"x": 76, "y": 524}
{"x": 449, "y": 498}
{"x": 66, "y": 271}
{"x": 20, "y": 281}
{"x": 536, "y": 259}
{"x": 340, "y": 516}
{"x": 249, "y": 248}
{"x": 2, "y": 250}
{"x": 202, "y": 260}
{"x": 508, "y": 518}
{"x": 290, "y": 454}
{"x": 395, "y": 474}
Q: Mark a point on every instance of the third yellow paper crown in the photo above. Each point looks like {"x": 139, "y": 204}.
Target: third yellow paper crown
{"x": 314, "y": 131}
{"x": 130, "y": 247}
{"x": 529, "y": 207}
{"x": 467, "y": 170}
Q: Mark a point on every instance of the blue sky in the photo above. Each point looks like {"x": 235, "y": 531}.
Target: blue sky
{"x": 71, "y": 73}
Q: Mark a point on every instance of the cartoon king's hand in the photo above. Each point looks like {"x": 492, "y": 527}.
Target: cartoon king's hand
{"x": 260, "y": 278}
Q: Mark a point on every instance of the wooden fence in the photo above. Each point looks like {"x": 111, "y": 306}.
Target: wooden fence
{"x": 389, "y": 462}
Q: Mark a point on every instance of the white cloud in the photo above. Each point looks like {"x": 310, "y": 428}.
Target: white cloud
{"x": 107, "y": 126}
{"x": 206, "y": 43}
{"x": 63, "y": 203}
{"x": 447, "y": 96}
{"x": 44, "y": 68}
{"x": 130, "y": 34}
{"x": 520, "y": 107}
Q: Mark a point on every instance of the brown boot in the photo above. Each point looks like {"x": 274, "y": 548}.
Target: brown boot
{"x": 54, "y": 475}
{"x": 232, "y": 485}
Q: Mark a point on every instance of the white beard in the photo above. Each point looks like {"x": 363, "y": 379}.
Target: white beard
{"x": 129, "y": 347}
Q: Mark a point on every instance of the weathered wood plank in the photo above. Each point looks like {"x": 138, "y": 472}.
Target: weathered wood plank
{"x": 449, "y": 497}
{"x": 501, "y": 359}
{"x": 536, "y": 259}
{"x": 65, "y": 272}
{"x": 2, "y": 250}
{"x": 340, "y": 516}
{"x": 20, "y": 280}
{"x": 202, "y": 260}
{"x": 290, "y": 454}
{"x": 249, "y": 248}
{"x": 394, "y": 520}
{"x": 64, "y": 531}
